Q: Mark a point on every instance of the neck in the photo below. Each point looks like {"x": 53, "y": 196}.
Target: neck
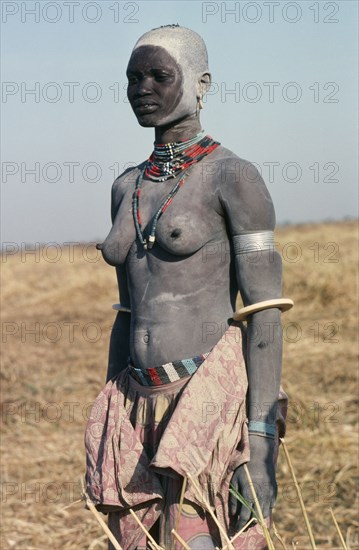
{"x": 180, "y": 130}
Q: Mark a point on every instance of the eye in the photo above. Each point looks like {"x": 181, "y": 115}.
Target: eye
{"x": 131, "y": 80}
{"x": 161, "y": 76}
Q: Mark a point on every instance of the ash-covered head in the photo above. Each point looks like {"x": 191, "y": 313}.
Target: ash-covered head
{"x": 185, "y": 46}
{"x": 189, "y": 53}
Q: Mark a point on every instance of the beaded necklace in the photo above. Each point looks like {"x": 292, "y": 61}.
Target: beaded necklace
{"x": 167, "y": 161}
{"x": 148, "y": 243}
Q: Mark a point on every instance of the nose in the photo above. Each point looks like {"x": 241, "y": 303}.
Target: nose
{"x": 143, "y": 87}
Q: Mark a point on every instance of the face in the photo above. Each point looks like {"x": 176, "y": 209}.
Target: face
{"x": 155, "y": 87}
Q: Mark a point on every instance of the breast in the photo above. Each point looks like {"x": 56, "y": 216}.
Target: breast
{"x": 185, "y": 232}
{"x": 190, "y": 222}
{"x": 122, "y": 235}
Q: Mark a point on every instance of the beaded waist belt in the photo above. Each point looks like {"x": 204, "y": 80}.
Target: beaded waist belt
{"x": 165, "y": 374}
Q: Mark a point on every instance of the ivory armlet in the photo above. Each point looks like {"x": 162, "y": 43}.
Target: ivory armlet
{"x": 123, "y": 309}
{"x": 281, "y": 303}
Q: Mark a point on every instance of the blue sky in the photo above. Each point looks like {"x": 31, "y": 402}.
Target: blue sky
{"x": 283, "y": 96}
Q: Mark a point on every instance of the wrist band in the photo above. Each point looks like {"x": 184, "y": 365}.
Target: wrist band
{"x": 261, "y": 428}
{"x": 123, "y": 309}
{"x": 281, "y": 303}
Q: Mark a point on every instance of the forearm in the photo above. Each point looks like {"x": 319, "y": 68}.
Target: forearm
{"x": 119, "y": 345}
{"x": 264, "y": 364}
{"x": 260, "y": 279}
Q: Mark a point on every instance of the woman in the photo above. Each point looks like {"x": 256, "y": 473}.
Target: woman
{"x": 191, "y": 226}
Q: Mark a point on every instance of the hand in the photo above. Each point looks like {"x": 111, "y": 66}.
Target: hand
{"x": 262, "y": 472}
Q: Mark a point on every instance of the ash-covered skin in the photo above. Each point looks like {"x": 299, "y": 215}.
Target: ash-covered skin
{"x": 188, "y": 50}
{"x": 182, "y": 292}
{"x": 152, "y": 69}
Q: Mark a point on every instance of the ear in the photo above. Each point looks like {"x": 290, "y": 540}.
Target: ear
{"x": 203, "y": 84}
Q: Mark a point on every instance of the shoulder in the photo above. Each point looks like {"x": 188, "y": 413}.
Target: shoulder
{"x": 243, "y": 193}
{"x": 230, "y": 170}
{"x": 123, "y": 184}
{"x": 235, "y": 169}
{"x": 126, "y": 180}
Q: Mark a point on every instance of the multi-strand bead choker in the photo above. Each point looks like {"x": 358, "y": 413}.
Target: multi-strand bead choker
{"x": 167, "y": 161}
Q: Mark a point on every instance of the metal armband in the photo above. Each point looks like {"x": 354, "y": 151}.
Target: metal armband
{"x": 254, "y": 241}
{"x": 122, "y": 309}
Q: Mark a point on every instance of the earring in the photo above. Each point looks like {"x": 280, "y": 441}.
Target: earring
{"x": 200, "y": 103}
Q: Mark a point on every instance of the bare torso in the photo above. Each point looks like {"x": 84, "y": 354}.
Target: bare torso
{"x": 182, "y": 293}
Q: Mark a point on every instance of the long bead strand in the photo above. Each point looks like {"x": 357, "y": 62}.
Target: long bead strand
{"x": 167, "y": 161}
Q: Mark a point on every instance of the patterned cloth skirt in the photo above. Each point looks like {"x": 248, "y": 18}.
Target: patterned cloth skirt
{"x": 150, "y": 409}
{"x": 142, "y": 440}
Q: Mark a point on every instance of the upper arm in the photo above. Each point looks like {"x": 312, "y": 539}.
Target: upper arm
{"x": 124, "y": 294}
{"x": 245, "y": 198}
{"x": 119, "y": 187}
{"x": 117, "y": 192}
{"x": 115, "y": 197}
{"x": 248, "y": 209}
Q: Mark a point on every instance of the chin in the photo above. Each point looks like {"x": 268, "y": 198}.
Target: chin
{"x": 150, "y": 123}
{"x": 156, "y": 120}
{"x": 146, "y": 123}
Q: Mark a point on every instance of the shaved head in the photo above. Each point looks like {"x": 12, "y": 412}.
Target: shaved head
{"x": 189, "y": 53}
{"x": 184, "y": 45}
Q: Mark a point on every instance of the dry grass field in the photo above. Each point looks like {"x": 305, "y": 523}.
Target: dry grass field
{"x": 56, "y": 321}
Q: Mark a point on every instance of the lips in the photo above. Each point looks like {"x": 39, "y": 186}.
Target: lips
{"x": 145, "y": 108}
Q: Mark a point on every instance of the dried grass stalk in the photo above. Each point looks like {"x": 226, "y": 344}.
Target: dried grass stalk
{"x": 338, "y": 530}
{"x": 277, "y": 535}
{"x": 252, "y": 520}
{"x": 240, "y": 532}
{"x": 210, "y": 511}
{"x": 180, "y": 539}
{"x": 299, "y": 493}
{"x": 95, "y": 542}
{"x": 148, "y": 535}
{"x": 98, "y": 517}
{"x": 183, "y": 490}
{"x": 259, "y": 509}
{"x": 72, "y": 503}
